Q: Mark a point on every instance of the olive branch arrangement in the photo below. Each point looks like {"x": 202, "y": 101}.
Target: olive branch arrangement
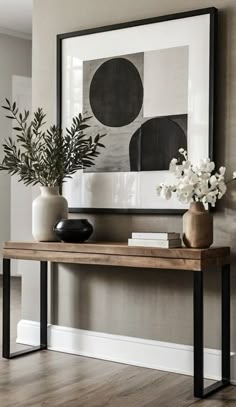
{"x": 47, "y": 157}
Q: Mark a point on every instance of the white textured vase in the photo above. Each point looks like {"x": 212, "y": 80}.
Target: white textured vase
{"x": 48, "y": 208}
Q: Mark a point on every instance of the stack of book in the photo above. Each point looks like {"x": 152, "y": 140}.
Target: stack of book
{"x": 156, "y": 239}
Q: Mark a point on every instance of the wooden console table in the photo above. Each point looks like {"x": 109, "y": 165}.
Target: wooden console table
{"x": 114, "y": 254}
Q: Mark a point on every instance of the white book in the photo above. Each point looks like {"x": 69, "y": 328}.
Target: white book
{"x": 156, "y": 235}
{"x": 168, "y": 244}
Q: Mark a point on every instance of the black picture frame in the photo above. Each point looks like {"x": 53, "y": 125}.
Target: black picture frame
{"x": 213, "y": 13}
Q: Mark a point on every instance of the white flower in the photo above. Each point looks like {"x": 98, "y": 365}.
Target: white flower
{"x": 159, "y": 188}
{"x": 184, "y": 197}
{"x": 222, "y": 171}
{"x": 166, "y": 192}
{"x": 211, "y": 166}
{"x": 203, "y": 185}
{"x": 200, "y": 183}
{"x": 222, "y": 188}
{"x": 206, "y": 166}
{"x": 234, "y": 175}
{"x": 183, "y": 152}
{"x": 173, "y": 164}
{"x": 213, "y": 180}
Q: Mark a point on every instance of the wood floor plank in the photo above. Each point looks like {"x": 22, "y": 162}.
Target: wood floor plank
{"x": 224, "y": 398}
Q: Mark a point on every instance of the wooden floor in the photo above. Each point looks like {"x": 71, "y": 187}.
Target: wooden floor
{"x": 52, "y": 379}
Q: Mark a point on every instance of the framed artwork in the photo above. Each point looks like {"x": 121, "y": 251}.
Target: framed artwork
{"x": 149, "y": 86}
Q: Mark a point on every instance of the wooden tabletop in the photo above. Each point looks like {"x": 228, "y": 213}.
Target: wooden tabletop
{"x": 118, "y": 254}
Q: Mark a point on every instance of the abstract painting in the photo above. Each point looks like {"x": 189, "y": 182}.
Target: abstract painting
{"x": 117, "y": 91}
{"x": 143, "y": 86}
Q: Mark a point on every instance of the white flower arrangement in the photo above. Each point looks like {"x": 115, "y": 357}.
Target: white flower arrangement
{"x": 195, "y": 183}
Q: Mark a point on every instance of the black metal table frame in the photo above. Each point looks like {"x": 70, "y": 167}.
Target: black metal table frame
{"x": 6, "y": 352}
{"x": 198, "y": 343}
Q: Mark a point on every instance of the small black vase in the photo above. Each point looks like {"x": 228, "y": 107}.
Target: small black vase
{"x": 73, "y": 230}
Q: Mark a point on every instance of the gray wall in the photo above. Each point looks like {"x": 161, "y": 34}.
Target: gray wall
{"x": 15, "y": 57}
{"x": 142, "y": 303}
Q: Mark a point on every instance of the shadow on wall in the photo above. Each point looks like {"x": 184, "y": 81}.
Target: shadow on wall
{"x": 97, "y": 299}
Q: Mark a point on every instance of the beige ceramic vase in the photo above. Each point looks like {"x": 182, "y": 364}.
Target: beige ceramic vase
{"x": 197, "y": 227}
{"x": 48, "y": 208}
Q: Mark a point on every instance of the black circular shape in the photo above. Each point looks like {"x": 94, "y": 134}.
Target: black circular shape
{"x": 155, "y": 143}
{"x": 73, "y": 230}
{"x": 116, "y": 93}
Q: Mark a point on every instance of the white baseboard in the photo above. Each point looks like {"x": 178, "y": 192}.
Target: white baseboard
{"x": 164, "y": 356}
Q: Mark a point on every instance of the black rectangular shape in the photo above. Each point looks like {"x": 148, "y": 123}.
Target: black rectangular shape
{"x": 43, "y": 303}
{"x": 225, "y": 315}
{"x": 6, "y": 337}
{"x": 6, "y": 308}
{"x": 26, "y": 352}
{"x": 198, "y": 334}
{"x": 198, "y": 348}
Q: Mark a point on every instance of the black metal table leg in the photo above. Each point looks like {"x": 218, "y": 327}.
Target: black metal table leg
{"x": 6, "y": 287}
{"x": 6, "y": 311}
{"x": 225, "y": 315}
{"x": 198, "y": 356}
{"x": 199, "y": 389}
{"x": 43, "y": 303}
